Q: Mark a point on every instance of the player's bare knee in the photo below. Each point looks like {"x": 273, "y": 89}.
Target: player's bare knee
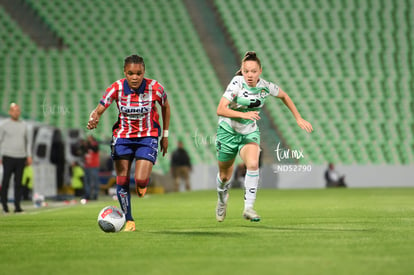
{"x": 253, "y": 166}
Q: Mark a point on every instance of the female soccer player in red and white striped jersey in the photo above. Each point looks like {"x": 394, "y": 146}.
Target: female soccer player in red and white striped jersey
{"x": 135, "y": 134}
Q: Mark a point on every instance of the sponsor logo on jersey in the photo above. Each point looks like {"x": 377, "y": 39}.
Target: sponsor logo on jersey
{"x": 135, "y": 110}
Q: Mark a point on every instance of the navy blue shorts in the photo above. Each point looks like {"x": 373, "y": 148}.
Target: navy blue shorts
{"x": 138, "y": 148}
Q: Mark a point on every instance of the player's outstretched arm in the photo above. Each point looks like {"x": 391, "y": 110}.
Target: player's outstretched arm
{"x": 95, "y": 116}
{"x": 305, "y": 125}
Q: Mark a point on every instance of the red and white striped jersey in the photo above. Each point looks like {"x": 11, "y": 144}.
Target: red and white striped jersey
{"x": 138, "y": 116}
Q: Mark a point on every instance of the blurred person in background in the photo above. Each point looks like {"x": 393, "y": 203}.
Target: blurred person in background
{"x": 237, "y": 132}
{"x": 27, "y": 182}
{"x": 91, "y": 165}
{"x": 239, "y": 176}
{"x": 135, "y": 135}
{"x": 181, "y": 167}
{"x": 333, "y": 178}
{"x": 15, "y": 153}
{"x": 77, "y": 179}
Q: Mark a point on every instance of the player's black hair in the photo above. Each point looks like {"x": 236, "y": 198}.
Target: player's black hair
{"x": 134, "y": 59}
{"x": 249, "y": 56}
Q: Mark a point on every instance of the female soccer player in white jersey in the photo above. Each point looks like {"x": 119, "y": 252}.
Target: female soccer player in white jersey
{"x": 135, "y": 134}
{"x": 237, "y": 131}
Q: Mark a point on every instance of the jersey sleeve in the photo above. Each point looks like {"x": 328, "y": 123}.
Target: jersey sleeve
{"x": 233, "y": 87}
{"x": 28, "y": 139}
{"x": 161, "y": 94}
{"x": 110, "y": 94}
{"x": 273, "y": 89}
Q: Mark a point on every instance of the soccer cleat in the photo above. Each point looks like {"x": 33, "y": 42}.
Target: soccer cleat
{"x": 250, "y": 214}
{"x": 141, "y": 191}
{"x": 221, "y": 210}
{"x": 130, "y": 226}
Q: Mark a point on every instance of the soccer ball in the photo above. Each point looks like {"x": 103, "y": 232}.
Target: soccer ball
{"x": 111, "y": 219}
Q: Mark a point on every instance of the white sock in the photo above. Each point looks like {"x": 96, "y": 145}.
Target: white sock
{"x": 251, "y": 182}
{"x": 222, "y": 188}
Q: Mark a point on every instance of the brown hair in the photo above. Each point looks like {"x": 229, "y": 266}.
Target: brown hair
{"x": 249, "y": 56}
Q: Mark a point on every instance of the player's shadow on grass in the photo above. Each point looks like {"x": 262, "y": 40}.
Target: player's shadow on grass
{"x": 299, "y": 228}
{"x": 200, "y": 233}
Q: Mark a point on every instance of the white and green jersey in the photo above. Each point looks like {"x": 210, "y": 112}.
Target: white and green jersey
{"x": 245, "y": 99}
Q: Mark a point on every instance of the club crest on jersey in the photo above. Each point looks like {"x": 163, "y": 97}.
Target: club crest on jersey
{"x": 263, "y": 93}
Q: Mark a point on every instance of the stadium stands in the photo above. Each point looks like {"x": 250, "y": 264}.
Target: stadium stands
{"x": 348, "y": 66}
{"x": 65, "y": 85}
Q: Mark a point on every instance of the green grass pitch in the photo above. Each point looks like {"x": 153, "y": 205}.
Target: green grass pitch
{"x": 338, "y": 231}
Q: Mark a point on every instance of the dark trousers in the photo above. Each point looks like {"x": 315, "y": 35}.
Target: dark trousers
{"x": 12, "y": 166}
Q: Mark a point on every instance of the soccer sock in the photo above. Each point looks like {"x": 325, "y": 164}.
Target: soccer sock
{"x": 222, "y": 188}
{"x": 124, "y": 196}
{"x": 251, "y": 182}
{"x": 141, "y": 183}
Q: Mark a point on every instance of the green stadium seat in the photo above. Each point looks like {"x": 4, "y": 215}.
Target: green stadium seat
{"x": 344, "y": 69}
{"x": 87, "y": 66}
{"x": 340, "y": 57}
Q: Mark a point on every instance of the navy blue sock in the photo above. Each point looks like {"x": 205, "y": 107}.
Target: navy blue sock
{"x": 124, "y": 198}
